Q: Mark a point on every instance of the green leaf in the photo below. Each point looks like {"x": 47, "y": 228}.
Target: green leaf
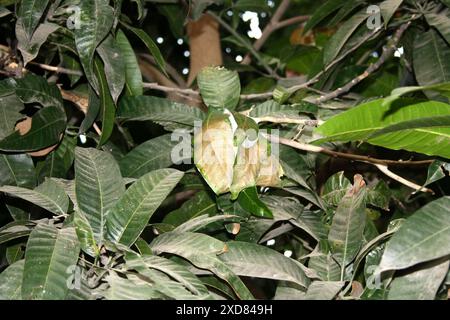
{"x": 323, "y": 290}
{"x": 441, "y": 22}
{"x": 47, "y": 126}
{"x": 422, "y": 237}
{"x": 322, "y": 12}
{"x": 442, "y": 88}
{"x": 421, "y": 123}
{"x": 15, "y": 230}
{"x": 29, "y": 46}
{"x": 253, "y": 260}
{"x": 201, "y": 251}
{"x": 160, "y": 110}
{"x": 17, "y": 170}
{"x": 85, "y": 234}
{"x": 200, "y": 204}
{"x": 326, "y": 267}
{"x": 362, "y": 121}
{"x": 30, "y": 12}
{"x": 436, "y": 171}
{"x": 132, "y": 212}
{"x": 59, "y": 161}
{"x": 388, "y": 8}
{"x": 10, "y": 107}
{"x": 133, "y": 74}
{"x": 249, "y": 200}
{"x": 150, "y": 155}
{"x": 14, "y": 253}
{"x": 98, "y": 185}
{"x": 335, "y": 188}
{"x": 92, "y": 112}
{"x": 174, "y": 270}
{"x": 33, "y": 88}
{"x": 220, "y": 88}
{"x": 419, "y": 284}
{"x": 48, "y": 195}
{"x": 110, "y": 52}
{"x": 96, "y": 20}
{"x": 107, "y": 106}
{"x": 131, "y": 288}
{"x": 338, "y": 40}
{"x": 151, "y": 46}
{"x": 11, "y": 282}
{"x": 431, "y": 59}
{"x": 379, "y": 196}
{"x": 346, "y": 232}
{"x": 50, "y": 258}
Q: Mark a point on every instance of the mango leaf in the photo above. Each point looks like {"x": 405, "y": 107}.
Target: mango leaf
{"x": 442, "y": 88}
{"x": 131, "y": 288}
{"x": 130, "y": 215}
{"x": 92, "y": 111}
{"x": 29, "y": 47}
{"x": 85, "y": 234}
{"x": 150, "y": 44}
{"x": 422, "y": 237}
{"x": 441, "y": 22}
{"x": 249, "y": 200}
{"x": 338, "y": 40}
{"x": 133, "y": 76}
{"x": 50, "y": 258}
{"x": 174, "y": 270}
{"x": 346, "y": 232}
{"x": 323, "y": 290}
{"x": 220, "y": 88}
{"x": 388, "y": 8}
{"x": 32, "y": 88}
{"x": 419, "y": 284}
{"x": 30, "y": 12}
{"x": 322, "y": 12}
{"x": 431, "y": 56}
{"x": 98, "y": 185}
{"x": 14, "y": 253}
{"x": 47, "y": 126}
{"x": 59, "y": 161}
{"x": 17, "y": 170}
{"x": 150, "y": 155}
{"x": 326, "y": 267}
{"x": 362, "y": 121}
{"x": 16, "y": 230}
{"x": 214, "y": 153}
{"x": 198, "y": 223}
{"x": 436, "y": 171}
{"x": 201, "y": 251}
{"x": 253, "y": 260}
{"x": 10, "y": 107}
{"x": 335, "y": 188}
{"x": 107, "y": 106}
{"x": 96, "y": 20}
{"x": 200, "y": 204}
{"x": 112, "y": 57}
{"x": 11, "y": 281}
{"x": 160, "y": 110}
{"x": 48, "y": 195}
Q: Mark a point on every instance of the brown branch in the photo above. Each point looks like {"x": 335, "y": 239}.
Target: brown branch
{"x": 349, "y": 156}
{"x": 57, "y": 69}
{"x": 274, "y": 24}
{"x": 388, "y": 51}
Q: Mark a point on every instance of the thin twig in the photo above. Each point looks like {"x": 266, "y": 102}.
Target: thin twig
{"x": 57, "y": 69}
{"x": 350, "y": 156}
{"x": 308, "y": 122}
{"x": 171, "y": 71}
{"x": 402, "y": 180}
{"x": 245, "y": 44}
{"x": 387, "y": 53}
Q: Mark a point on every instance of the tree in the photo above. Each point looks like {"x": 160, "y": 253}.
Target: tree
{"x": 310, "y": 163}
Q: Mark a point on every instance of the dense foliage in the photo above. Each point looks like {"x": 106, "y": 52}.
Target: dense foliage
{"x": 324, "y": 174}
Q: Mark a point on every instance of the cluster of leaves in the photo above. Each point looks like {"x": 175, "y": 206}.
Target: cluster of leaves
{"x": 88, "y": 213}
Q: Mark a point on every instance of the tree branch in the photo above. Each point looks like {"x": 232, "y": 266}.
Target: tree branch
{"x": 387, "y": 53}
{"x": 349, "y": 156}
{"x": 402, "y": 180}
